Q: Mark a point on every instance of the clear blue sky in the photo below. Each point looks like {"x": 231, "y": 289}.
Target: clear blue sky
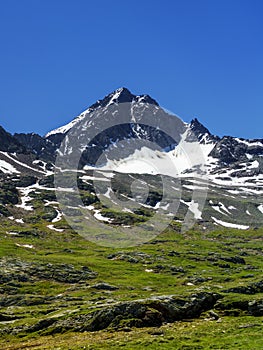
{"x": 197, "y": 58}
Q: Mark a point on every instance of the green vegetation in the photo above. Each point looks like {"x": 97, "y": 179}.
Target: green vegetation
{"x": 202, "y": 289}
{"x": 173, "y": 264}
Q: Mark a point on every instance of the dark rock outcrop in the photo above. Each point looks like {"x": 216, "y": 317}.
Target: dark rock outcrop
{"x": 21, "y": 271}
{"x": 253, "y": 288}
{"x": 139, "y": 313}
{"x": 8, "y": 143}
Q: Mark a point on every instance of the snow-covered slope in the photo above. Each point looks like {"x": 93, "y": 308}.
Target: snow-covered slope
{"x": 184, "y": 158}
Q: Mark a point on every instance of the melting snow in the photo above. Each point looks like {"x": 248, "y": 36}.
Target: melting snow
{"x": 249, "y": 143}
{"x": 20, "y": 221}
{"x": 249, "y": 156}
{"x": 25, "y": 198}
{"x": 107, "y": 194}
{"x": 185, "y": 156}
{"x": 193, "y": 207}
{"x": 52, "y": 227}
{"x": 231, "y": 207}
{"x": 100, "y": 217}
{"x": 30, "y": 246}
{"x": 58, "y": 217}
{"x": 87, "y": 177}
{"x": 230, "y": 225}
{"x": 50, "y": 203}
{"x": 7, "y": 168}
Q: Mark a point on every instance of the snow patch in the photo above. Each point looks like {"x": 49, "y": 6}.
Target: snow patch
{"x": 25, "y": 198}
{"x": 30, "y": 246}
{"x": 12, "y": 233}
{"x": 19, "y": 221}
{"x": 58, "y": 217}
{"x": 7, "y": 168}
{"x": 193, "y": 207}
{"x": 52, "y": 227}
{"x": 230, "y": 225}
{"x": 100, "y": 217}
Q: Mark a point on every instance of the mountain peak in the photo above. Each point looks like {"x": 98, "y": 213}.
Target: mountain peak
{"x": 201, "y": 132}
{"x": 120, "y": 95}
{"x": 123, "y": 95}
{"x": 198, "y": 127}
{"x": 122, "y": 90}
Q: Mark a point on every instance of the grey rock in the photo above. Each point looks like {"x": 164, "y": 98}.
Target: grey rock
{"x": 104, "y": 286}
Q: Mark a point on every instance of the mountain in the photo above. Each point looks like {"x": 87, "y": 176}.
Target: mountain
{"x": 131, "y": 134}
{"x": 133, "y": 225}
{"x": 224, "y": 154}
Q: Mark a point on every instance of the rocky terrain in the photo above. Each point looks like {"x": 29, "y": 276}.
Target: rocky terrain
{"x": 198, "y": 286}
{"x": 56, "y": 284}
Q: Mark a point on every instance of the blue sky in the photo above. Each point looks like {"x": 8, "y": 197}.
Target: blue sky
{"x": 197, "y": 58}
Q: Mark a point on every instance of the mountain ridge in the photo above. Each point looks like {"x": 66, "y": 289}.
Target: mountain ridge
{"x": 227, "y": 150}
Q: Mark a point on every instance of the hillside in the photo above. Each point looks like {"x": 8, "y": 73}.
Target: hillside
{"x": 130, "y": 228}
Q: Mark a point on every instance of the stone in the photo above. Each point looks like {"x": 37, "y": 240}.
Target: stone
{"x": 104, "y": 286}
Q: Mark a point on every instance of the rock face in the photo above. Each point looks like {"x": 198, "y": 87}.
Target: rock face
{"x": 8, "y": 143}
{"x": 230, "y": 150}
{"x": 43, "y": 148}
{"x": 199, "y": 132}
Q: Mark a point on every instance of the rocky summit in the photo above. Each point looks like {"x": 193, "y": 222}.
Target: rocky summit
{"x": 129, "y": 228}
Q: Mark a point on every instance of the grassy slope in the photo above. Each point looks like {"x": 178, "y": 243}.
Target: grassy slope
{"x": 180, "y": 265}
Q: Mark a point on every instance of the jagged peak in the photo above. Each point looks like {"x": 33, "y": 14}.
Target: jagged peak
{"x": 123, "y": 95}
{"x": 122, "y": 89}
{"x": 120, "y": 95}
{"x": 199, "y": 131}
{"x": 196, "y": 126}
